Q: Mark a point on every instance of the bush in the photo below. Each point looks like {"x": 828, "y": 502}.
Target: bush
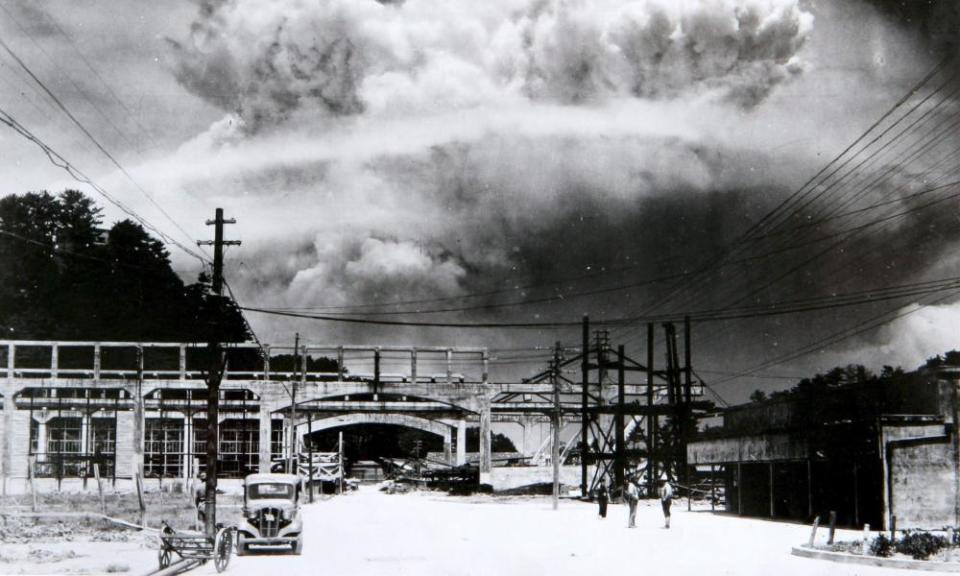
{"x": 921, "y": 545}
{"x": 881, "y": 546}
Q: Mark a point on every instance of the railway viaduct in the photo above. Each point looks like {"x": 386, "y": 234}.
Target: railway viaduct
{"x": 139, "y": 408}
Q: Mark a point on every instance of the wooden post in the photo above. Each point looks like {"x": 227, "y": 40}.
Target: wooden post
{"x": 620, "y": 462}
{"x": 340, "y": 460}
{"x": 555, "y": 428}
{"x": 833, "y": 525}
{"x": 143, "y": 506}
{"x": 739, "y": 489}
{"x": 809, "y": 488}
{"x": 865, "y": 541}
{"x": 310, "y": 450}
{"x": 772, "y": 500}
{"x": 713, "y": 488}
{"x": 31, "y": 473}
{"x": 813, "y": 531}
{"x": 652, "y": 454}
{"x": 856, "y": 496}
{"x": 584, "y": 416}
{"x": 96, "y": 474}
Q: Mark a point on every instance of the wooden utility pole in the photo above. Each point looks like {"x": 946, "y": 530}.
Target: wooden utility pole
{"x": 555, "y": 449}
{"x": 584, "y": 414}
{"x": 292, "y": 468}
{"x": 215, "y": 373}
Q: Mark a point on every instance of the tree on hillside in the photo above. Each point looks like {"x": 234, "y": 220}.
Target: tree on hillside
{"x": 63, "y": 277}
{"x": 498, "y": 442}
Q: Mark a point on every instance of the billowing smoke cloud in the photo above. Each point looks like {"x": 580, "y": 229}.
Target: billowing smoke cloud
{"x": 267, "y": 60}
{"x": 429, "y": 149}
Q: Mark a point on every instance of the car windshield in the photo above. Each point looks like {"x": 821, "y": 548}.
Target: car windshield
{"x": 274, "y": 490}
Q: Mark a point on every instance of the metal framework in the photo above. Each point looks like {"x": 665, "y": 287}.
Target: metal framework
{"x": 640, "y": 426}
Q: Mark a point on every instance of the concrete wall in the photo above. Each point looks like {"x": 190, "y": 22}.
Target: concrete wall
{"x": 759, "y": 448}
{"x": 923, "y": 485}
{"x": 124, "y": 448}
{"x": 20, "y": 446}
{"x": 507, "y": 477}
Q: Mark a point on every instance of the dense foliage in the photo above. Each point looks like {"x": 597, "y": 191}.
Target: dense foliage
{"x": 921, "y": 545}
{"x": 64, "y": 277}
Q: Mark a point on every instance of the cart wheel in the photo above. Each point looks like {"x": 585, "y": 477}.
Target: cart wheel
{"x": 221, "y": 549}
{"x": 164, "y": 558}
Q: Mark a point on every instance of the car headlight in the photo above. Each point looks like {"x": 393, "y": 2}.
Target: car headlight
{"x": 288, "y": 514}
{"x": 250, "y": 514}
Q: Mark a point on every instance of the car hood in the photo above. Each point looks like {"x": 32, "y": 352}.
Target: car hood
{"x": 254, "y": 505}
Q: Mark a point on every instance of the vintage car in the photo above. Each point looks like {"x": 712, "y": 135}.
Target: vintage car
{"x": 271, "y": 512}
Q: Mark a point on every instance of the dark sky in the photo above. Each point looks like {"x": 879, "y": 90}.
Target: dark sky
{"x": 518, "y": 150}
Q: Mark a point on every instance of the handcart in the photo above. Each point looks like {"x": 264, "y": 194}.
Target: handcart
{"x": 196, "y": 547}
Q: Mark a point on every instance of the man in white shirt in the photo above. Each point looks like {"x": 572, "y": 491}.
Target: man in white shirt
{"x": 666, "y": 498}
{"x": 632, "y": 495}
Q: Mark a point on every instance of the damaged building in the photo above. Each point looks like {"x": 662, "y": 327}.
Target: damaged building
{"x": 875, "y": 452}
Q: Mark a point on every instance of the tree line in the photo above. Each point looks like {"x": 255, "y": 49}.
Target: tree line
{"x": 63, "y": 276}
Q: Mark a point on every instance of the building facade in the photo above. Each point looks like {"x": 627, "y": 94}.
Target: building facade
{"x": 873, "y": 453}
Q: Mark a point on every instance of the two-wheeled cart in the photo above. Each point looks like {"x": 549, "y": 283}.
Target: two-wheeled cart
{"x": 195, "y": 547}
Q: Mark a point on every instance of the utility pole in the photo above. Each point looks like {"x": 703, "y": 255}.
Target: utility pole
{"x": 584, "y": 415}
{"x": 290, "y": 467}
{"x": 555, "y": 449}
{"x": 215, "y": 373}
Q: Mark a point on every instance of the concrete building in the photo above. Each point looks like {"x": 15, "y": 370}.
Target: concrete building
{"x": 869, "y": 452}
{"x": 140, "y": 408}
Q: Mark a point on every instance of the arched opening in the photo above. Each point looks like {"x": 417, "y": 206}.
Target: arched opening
{"x": 376, "y": 446}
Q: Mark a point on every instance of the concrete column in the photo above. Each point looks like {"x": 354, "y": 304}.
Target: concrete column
{"x": 449, "y": 357}
{"x": 97, "y": 354}
{"x": 525, "y": 423}
{"x": 266, "y": 424}
{"x": 447, "y": 448}
{"x": 486, "y": 462}
{"x": 41, "y": 437}
{"x": 182, "y": 367}
{"x": 6, "y": 445}
{"x": 54, "y": 360}
{"x": 186, "y": 448}
{"x": 137, "y": 435}
{"x": 413, "y": 366}
{"x": 84, "y": 427}
{"x": 461, "y": 442}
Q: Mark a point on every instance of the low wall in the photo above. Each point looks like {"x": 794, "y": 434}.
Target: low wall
{"x": 507, "y": 477}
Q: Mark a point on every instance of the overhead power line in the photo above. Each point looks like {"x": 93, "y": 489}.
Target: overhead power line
{"x": 61, "y": 162}
{"x": 63, "y": 108}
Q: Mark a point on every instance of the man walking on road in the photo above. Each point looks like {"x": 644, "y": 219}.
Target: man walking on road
{"x": 602, "y": 498}
{"x": 632, "y": 495}
{"x": 666, "y": 498}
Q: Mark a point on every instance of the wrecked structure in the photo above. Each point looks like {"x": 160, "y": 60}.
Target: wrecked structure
{"x": 880, "y": 452}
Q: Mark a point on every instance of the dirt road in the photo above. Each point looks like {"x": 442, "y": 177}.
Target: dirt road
{"x": 369, "y": 533}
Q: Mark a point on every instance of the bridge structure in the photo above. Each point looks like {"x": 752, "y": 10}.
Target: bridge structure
{"x": 139, "y": 408}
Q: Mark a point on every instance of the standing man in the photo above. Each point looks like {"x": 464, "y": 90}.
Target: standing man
{"x": 602, "y": 498}
{"x": 666, "y": 498}
{"x": 632, "y": 495}
{"x": 200, "y": 499}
